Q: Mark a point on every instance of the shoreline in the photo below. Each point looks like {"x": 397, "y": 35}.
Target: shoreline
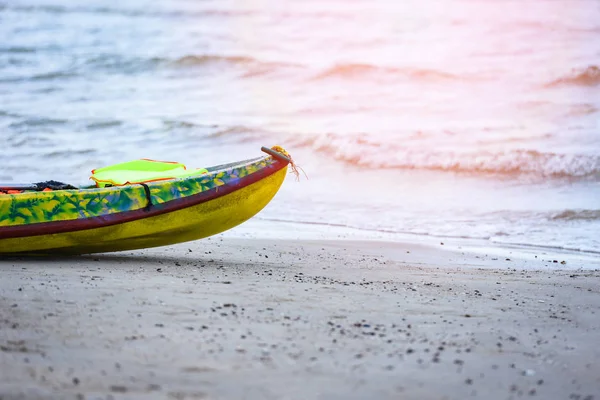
{"x": 290, "y": 319}
{"x": 259, "y": 228}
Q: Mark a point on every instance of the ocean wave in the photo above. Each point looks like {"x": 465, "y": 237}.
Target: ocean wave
{"x": 49, "y": 76}
{"x": 119, "y": 63}
{"x": 535, "y": 217}
{"x": 171, "y": 125}
{"x": 206, "y": 59}
{"x": 589, "y": 76}
{"x": 248, "y": 67}
{"x": 353, "y": 70}
{"x": 41, "y": 77}
{"x": 69, "y": 153}
{"x": 231, "y": 131}
{"x": 128, "y": 12}
{"x": 37, "y": 122}
{"x": 576, "y": 215}
{"x": 552, "y": 26}
{"x": 236, "y": 133}
{"x": 577, "y": 110}
{"x": 127, "y": 65}
{"x": 367, "y": 152}
{"x": 241, "y": 134}
{"x": 103, "y": 124}
{"x": 45, "y": 76}
{"x": 9, "y": 114}
{"x": 252, "y": 64}
{"x": 17, "y": 49}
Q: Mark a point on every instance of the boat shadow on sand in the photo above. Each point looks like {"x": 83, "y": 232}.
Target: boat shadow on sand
{"x": 156, "y": 263}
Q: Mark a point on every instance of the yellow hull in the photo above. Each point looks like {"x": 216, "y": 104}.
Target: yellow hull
{"x": 191, "y": 223}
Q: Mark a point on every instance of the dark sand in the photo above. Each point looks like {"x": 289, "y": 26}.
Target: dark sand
{"x": 275, "y": 319}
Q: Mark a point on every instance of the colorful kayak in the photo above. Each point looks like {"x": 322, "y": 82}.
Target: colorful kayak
{"x": 140, "y": 215}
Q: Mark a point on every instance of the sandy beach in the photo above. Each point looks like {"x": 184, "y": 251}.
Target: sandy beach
{"x": 232, "y": 318}
{"x": 440, "y": 240}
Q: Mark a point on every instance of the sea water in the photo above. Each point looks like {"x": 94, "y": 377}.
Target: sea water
{"x": 463, "y": 118}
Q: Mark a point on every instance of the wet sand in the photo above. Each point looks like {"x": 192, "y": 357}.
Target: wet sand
{"x": 278, "y": 319}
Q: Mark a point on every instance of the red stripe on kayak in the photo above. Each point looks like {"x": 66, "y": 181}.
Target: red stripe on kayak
{"x": 47, "y": 228}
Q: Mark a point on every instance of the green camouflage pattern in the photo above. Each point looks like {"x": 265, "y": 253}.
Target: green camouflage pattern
{"x": 67, "y": 205}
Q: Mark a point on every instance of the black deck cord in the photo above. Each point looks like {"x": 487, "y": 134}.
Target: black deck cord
{"x": 148, "y": 197}
{"x": 54, "y": 185}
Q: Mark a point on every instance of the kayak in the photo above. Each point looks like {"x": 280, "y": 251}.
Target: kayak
{"x": 140, "y": 215}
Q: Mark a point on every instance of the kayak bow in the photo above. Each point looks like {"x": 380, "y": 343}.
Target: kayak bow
{"x": 140, "y": 215}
